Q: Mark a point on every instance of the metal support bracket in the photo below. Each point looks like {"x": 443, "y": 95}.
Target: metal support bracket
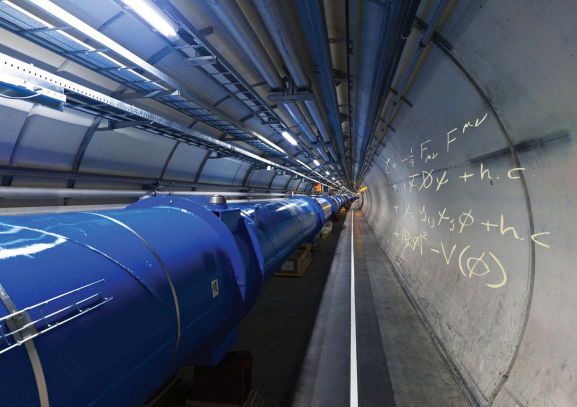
{"x": 147, "y": 94}
{"x": 115, "y": 125}
{"x": 291, "y": 94}
{"x": 205, "y": 32}
{"x": 232, "y": 138}
{"x": 197, "y": 61}
{"x": 269, "y": 122}
{"x": 84, "y": 51}
{"x": 43, "y": 29}
{"x": 394, "y": 92}
{"x": 321, "y": 144}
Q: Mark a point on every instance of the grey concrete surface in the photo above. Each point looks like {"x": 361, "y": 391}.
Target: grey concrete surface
{"x": 281, "y": 331}
{"x": 397, "y": 358}
{"x": 512, "y": 345}
{"x": 299, "y": 333}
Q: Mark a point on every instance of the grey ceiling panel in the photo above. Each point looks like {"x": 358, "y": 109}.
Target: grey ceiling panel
{"x": 261, "y": 178}
{"x": 127, "y": 152}
{"x": 220, "y": 171}
{"x": 129, "y": 33}
{"x": 280, "y": 181}
{"x": 130, "y": 152}
{"x": 53, "y": 139}
{"x": 239, "y": 178}
{"x": 293, "y": 184}
{"x": 39, "y": 182}
{"x": 184, "y": 163}
{"x": 12, "y": 120}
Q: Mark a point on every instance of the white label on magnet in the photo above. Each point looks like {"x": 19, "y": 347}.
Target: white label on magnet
{"x": 214, "y": 288}
{"x": 288, "y": 266}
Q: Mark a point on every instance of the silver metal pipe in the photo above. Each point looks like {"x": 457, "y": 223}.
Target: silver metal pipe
{"x": 210, "y": 193}
{"x": 300, "y": 119}
{"x": 412, "y": 65}
{"x": 278, "y": 27}
{"x": 416, "y": 57}
{"x": 277, "y": 24}
{"x": 306, "y": 111}
{"x": 40, "y": 210}
{"x": 61, "y": 193}
{"x": 274, "y": 17}
{"x": 234, "y": 19}
{"x": 318, "y": 117}
{"x": 86, "y": 176}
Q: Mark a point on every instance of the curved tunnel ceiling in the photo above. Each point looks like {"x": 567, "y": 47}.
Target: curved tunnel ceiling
{"x": 466, "y": 163}
{"x": 214, "y": 99}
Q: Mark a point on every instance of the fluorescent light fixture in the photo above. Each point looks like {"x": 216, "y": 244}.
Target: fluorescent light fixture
{"x": 327, "y": 172}
{"x": 334, "y": 178}
{"x": 289, "y": 138}
{"x": 268, "y": 142}
{"x": 303, "y": 164}
{"x": 153, "y": 18}
{"x": 317, "y": 163}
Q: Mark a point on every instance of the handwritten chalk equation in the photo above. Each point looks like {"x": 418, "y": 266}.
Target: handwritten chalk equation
{"x": 471, "y": 263}
{"x": 429, "y": 180}
{"x": 431, "y": 156}
{"x": 466, "y": 219}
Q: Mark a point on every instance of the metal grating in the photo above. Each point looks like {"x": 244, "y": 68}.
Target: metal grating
{"x": 87, "y": 100}
{"x": 26, "y": 25}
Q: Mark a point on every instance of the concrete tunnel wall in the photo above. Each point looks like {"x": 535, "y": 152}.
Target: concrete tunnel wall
{"x": 515, "y": 62}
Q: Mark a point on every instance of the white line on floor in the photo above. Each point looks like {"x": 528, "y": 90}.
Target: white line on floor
{"x": 354, "y": 396}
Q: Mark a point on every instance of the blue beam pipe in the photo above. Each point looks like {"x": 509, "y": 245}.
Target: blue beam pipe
{"x": 100, "y": 309}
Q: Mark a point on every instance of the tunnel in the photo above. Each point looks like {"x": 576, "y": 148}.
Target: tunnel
{"x": 351, "y": 202}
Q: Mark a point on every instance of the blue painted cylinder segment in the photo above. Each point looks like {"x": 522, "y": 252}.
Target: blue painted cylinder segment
{"x": 114, "y": 354}
{"x": 282, "y": 226}
{"x": 146, "y": 289}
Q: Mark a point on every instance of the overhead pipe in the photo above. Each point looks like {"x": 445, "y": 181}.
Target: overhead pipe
{"x": 312, "y": 17}
{"x": 276, "y": 22}
{"x": 61, "y": 193}
{"x": 349, "y": 90}
{"x": 86, "y": 176}
{"x": 412, "y": 65}
{"x": 406, "y": 28}
{"x": 377, "y": 66}
{"x": 235, "y": 21}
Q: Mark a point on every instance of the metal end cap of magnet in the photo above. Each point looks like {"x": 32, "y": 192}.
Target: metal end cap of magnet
{"x": 217, "y": 200}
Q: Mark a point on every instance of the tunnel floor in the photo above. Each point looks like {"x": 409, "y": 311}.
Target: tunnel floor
{"x": 299, "y": 334}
